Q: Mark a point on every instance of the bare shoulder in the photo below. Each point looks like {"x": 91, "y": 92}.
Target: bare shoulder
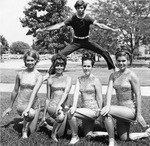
{"x": 19, "y": 74}
{"x": 112, "y": 75}
{"x": 50, "y": 79}
{"x": 67, "y": 78}
{"x": 38, "y": 74}
{"x": 132, "y": 75}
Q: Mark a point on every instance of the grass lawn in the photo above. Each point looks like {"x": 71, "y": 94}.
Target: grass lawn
{"x": 74, "y": 70}
{"x": 11, "y": 131}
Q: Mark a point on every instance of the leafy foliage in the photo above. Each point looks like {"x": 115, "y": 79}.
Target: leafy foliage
{"x": 43, "y": 13}
{"x": 4, "y": 46}
{"x": 131, "y": 16}
{"x": 19, "y": 47}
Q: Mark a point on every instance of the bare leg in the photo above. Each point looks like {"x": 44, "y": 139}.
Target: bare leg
{"x": 85, "y": 114}
{"x": 74, "y": 129}
{"x": 33, "y": 123}
{"x": 88, "y": 116}
{"x": 54, "y": 131}
{"x": 123, "y": 133}
{"x": 50, "y": 128}
{"x": 25, "y": 129}
{"x": 110, "y": 129}
{"x": 135, "y": 136}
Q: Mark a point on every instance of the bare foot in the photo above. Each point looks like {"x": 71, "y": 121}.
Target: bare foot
{"x": 53, "y": 136}
{"x": 113, "y": 143}
{"x": 24, "y": 135}
{"x": 74, "y": 140}
{"x": 148, "y": 131}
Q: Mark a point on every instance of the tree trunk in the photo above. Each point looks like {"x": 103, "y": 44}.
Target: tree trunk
{"x": 131, "y": 60}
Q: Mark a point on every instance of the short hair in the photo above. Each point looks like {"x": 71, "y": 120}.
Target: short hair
{"x": 59, "y": 59}
{"x": 80, "y": 3}
{"x": 122, "y": 51}
{"x": 31, "y": 53}
{"x": 88, "y": 56}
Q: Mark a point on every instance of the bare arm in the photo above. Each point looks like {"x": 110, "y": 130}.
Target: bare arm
{"x": 103, "y": 26}
{"x": 136, "y": 88}
{"x": 15, "y": 91}
{"x": 13, "y": 95}
{"x": 53, "y": 27}
{"x": 109, "y": 91}
{"x": 66, "y": 92}
{"x": 75, "y": 97}
{"x": 48, "y": 94}
{"x": 34, "y": 93}
{"x": 99, "y": 97}
{"x": 46, "y": 77}
{"x": 106, "y": 109}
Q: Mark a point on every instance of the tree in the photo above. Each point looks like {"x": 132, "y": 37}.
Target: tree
{"x": 131, "y": 16}
{"x": 4, "y": 46}
{"x": 19, "y": 47}
{"x": 43, "y": 13}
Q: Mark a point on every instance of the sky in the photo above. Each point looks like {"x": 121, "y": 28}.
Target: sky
{"x": 10, "y": 26}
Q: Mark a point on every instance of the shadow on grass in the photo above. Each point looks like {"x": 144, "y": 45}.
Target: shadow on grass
{"x": 16, "y": 125}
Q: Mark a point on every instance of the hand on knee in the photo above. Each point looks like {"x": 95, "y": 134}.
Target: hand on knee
{"x": 108, "y": 119}
{"x": 60, "y": 116}
{"x": 30, "y": 115}
{"x": 69, "y": 115}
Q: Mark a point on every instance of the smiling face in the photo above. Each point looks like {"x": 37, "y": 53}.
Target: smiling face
{"x": 122, "y": 62}
{"x": 87, "y": 67}
{"x": 59, "y": 68}
{"x": 30, "y": 62}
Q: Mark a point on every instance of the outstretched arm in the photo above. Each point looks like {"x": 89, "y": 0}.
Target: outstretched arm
{"x": 53, "y": 27}
{"x": 103, "y": 26}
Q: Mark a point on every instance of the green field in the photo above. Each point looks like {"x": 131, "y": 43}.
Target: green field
{"x": 75, "y": 70}
{"x": 11, "y": 130}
